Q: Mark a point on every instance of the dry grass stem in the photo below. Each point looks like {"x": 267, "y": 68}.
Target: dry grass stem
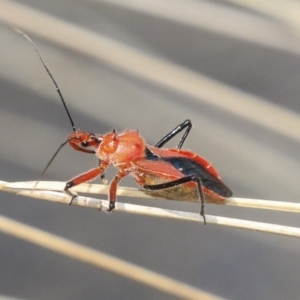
{"x": 136, "y": 193}
{"x": 138, "y": 209}
{"x": 102, "y": 260}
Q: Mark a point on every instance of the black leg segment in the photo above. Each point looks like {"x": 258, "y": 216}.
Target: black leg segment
{"x": 68, "y": 192}
{"x": 187, "y": 124}
{"x": 179, "y": 181}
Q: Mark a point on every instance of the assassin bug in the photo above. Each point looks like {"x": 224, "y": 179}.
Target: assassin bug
{"x": 172, "y": 173}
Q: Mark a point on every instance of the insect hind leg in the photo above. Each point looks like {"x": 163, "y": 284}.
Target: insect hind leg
{"x": 180, "y": 181}
{"x": 187, "y": 125}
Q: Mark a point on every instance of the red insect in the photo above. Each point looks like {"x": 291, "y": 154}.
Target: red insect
{"x": 171, "y": 173}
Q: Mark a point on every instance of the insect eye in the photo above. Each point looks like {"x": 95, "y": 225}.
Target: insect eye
{"x": 85, "y": 144}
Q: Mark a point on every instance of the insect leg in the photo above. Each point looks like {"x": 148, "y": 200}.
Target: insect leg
{"x": 88, "y": 176}
{"x": 179, "y": 181}
{"x": 102, "y": 176}
{"x": 113, "y": 189}
{"x": 187, "y": 124}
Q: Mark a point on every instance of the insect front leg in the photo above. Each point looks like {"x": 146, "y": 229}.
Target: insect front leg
{"x": 187, "y": 124}
{"x": 85, "y": 177}
{"x": 179, "y": 181}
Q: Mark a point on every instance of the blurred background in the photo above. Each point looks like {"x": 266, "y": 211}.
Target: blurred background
{"x": 232, "y": 67}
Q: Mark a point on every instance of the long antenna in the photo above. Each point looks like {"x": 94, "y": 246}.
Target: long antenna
{"x": 49, "y": 73}
{"x": 48, "y": 164}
